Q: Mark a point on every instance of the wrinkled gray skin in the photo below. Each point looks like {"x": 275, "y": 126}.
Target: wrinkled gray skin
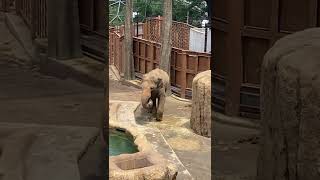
{"x": 154, "y": 90}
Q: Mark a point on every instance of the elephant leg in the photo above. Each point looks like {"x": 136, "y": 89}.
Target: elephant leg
{"x": 160, "y": 109}
{"x": 154, "y": 106}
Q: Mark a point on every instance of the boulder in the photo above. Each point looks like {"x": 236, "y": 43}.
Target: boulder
{"x": 201, "y": 104}
{"x": 290, "y": 109}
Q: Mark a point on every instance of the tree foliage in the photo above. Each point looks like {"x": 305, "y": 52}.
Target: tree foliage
{"x": 193, "y": 11}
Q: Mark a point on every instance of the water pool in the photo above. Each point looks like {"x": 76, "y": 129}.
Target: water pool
{"x": 120, "y": 143}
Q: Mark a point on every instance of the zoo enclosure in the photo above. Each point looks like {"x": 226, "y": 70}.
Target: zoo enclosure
{"x": 185, "y": 64}
{"x": 243, "y": 32}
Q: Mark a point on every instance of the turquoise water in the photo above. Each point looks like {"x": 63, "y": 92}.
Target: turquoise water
{"x": 120, "y": 143}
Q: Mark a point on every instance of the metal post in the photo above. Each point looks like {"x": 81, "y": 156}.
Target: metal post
{"x": 205, "y": 38}
{"x": 188, "y": 17}
{"x": 5, "y": 5}
{"x": 137, "y": 28}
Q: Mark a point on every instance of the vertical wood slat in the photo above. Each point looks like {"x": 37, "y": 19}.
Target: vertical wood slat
{"x": 33, "y": 20}
{"x": 313, "y": 15}
{"x": 143, "y": 57}
{"x": 137, "y": 52}
{"x": 18, "y": 6}
{"x": 274, "y": 20}
{"x": 173, "y": 65}
{"x": 151, "y": 56}
{"x": 234, "y": 57}
{"x": 34, "y": 13}
{"x": 183, "y": 72}
{"x": 92, "y": 8}
{"x": 5, "y": 5}
{"x": 40, "y": 20}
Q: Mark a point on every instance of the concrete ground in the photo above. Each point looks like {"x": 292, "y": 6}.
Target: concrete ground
{"x": 235, "y": 152}
{"x": 27, "y": 96}
{"x": 235, "y": 148}
{"x": 193, "y": 151}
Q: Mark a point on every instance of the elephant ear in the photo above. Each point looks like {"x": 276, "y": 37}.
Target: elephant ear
{"x": 159, "y": 83}
{"x": 144, "y": 77}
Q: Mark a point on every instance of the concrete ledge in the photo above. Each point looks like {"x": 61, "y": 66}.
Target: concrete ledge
{"x": 181, "y": 99}
{"x": 85, "y": 70}
{"x": 148, "y": 140}
{"x": 115, "y": 72}
{"x": 21, "y": 32}
{"x": 234, "y": 121}
{"x": 31, "y": 151}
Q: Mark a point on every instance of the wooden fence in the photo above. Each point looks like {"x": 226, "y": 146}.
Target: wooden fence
{"x": 92, "y": 17}
{"x": 243, "y": 32}
{"x": 4, "y": 5}
{"x": 151, "y": 30}
{"x": 115, "y": 49}
{"x": 34, "y": 13}
{"x": 140, "y": 27}
{"x": 184, "y": 64}
{"x": 180, "y": 32}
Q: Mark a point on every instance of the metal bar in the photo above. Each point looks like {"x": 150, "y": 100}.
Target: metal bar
{"x": 205, "y": 38}
{"x": 137, "y": 35}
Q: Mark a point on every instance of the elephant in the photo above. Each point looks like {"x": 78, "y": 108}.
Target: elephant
{"x": 155, "y": 86}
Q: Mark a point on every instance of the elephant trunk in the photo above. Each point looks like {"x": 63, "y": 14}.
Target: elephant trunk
{"x": 145, "y": 98}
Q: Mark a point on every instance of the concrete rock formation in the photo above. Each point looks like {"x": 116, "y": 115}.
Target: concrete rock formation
{"x": 290, "y": 109}
{"x": 201, "y": 104}
{"x": 142, "y": 166}
{"x": 36, "y": 152}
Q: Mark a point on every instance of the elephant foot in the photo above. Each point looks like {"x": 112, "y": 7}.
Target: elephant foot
{"x": 159, "y": 117}
{"x": 149, "y": 110}
{"x": 154, "y": 112}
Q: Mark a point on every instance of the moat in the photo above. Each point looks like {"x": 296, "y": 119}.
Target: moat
{"x": 120, "y": 143}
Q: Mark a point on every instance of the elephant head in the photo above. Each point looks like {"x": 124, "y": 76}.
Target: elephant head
{"x": 150, "y": 88}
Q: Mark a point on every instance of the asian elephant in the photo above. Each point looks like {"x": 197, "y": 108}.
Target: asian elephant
{"x": 155, "y": 86}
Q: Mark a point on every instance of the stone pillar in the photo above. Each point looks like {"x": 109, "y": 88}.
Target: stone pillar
{"x": 290, "y": 109}
{"x": 201, "y": 104}
{"x": 63, "y": 29}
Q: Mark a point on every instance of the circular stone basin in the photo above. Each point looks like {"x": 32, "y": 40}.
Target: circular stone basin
{"x": 120, "y": 143}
